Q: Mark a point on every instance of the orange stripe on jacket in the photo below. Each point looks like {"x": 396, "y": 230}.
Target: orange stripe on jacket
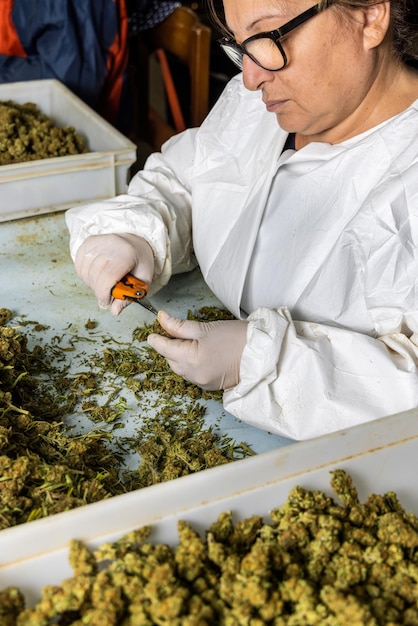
{"x": 117, "y": 62}
{"x": 9, "y": 39}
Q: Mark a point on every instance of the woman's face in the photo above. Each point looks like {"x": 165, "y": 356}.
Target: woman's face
{"x": 323, "y": 88}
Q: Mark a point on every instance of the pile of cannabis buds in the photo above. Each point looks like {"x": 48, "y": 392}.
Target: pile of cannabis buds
{"x": 27, "y": 134}
{"x": 318, "y": 563}
{"x": 45, "y": 469}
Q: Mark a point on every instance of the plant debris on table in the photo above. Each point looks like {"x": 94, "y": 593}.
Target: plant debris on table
{"x": 45, "y": 468}
{"x": 318, "y": 563}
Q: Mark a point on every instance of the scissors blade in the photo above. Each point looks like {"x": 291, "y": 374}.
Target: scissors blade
{"x": 147, "y": 305}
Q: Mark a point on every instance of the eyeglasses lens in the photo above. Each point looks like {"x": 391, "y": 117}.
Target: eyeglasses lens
{"x": 233, "y": 53}
{"x": 263, "y": 51}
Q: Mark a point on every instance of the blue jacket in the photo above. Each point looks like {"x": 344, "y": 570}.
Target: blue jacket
{"x": 82, "y": 43}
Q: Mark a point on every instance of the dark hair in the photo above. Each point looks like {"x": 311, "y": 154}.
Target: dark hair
{"x": 404, "y": 17}
{"x": 405, "y": 28}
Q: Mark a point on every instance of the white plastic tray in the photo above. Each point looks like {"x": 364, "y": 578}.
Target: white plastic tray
{"x": 380, "y": 456}
{"x": 55, "y": 184}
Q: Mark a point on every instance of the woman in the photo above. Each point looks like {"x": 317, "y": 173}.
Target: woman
{"x": 298, "y": 197}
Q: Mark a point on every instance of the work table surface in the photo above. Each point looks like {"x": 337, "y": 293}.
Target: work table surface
{"x": 38, "y": 281}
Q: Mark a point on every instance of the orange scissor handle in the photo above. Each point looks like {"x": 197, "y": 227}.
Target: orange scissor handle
{"x": 130, "y": 288}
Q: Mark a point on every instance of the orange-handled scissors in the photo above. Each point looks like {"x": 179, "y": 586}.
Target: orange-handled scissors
{"x": 133, "y": 289}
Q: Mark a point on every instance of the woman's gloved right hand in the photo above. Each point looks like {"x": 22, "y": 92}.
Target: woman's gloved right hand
{"x": 102, "y": 260}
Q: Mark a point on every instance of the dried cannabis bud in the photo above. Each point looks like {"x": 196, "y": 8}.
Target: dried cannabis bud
{"x": 26, "y": 134}
{"x": 313, "y": 565}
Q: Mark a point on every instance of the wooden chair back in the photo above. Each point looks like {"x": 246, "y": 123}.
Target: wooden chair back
{"x": 182, "y": 35}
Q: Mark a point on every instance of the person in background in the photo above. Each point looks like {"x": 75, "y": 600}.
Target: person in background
{"x": 145, "y": 14}
{"x": 84, "y": 44}
{"x": 298, "y": 198}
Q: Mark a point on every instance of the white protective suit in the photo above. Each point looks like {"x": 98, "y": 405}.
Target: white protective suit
{"x": 340, "y": 344}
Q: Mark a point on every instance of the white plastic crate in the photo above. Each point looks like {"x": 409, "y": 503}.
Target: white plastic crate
{"x": 49, "y": 185}
{"x": 380, "y": 456}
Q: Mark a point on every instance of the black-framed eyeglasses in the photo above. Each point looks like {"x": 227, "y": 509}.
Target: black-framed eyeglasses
{"x": 265, "y": 49}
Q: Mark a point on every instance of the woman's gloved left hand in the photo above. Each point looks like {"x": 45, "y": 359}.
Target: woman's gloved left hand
{"x": 207, "y": 354}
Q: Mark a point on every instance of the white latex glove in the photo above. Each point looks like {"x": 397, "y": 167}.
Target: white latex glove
{"x": 207, "y": 354}
{"x": 102, "y": 260}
